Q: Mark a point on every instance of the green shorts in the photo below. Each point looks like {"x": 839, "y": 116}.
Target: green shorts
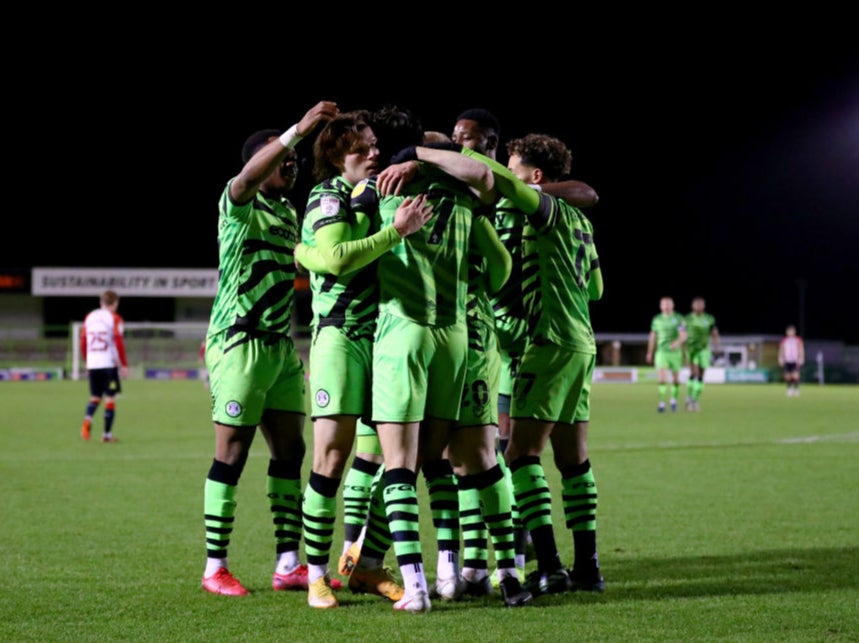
{"x": 671, "y": 360}
{"x": 510, "y": 362}
{"x": 249, "y": 375}
{"x": 340, "y": 374}
{"x": 480, "y": 395}
{"x": 418, "y": 371}
{"x": 700, "y": 358}
{"x": 553, "y": 385}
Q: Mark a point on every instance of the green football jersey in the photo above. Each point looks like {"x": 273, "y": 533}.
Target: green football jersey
{"x": 348, "y": 301}
{"x": 477, "y": 306}
{"x": 699, "y": 329}
{"x": 558, "y": 239}
{"x": 667, "y": 328}
{"x": 256, "y": 266}
{"x": 424, "y": 278}
{"x": 508, "y": 304}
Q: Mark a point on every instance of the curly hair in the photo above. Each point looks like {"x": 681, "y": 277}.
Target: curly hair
{"x": 396, "y": 127}
{"x": 340, "y": 136}
{"x": 549, "y": 154}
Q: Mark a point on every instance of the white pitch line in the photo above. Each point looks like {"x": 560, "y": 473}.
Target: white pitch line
{"x": 810, "y": 439}
{"x": 106, "y": 455}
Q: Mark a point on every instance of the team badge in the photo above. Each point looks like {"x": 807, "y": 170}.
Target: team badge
{"x": 329, "y": 205}
{"x": 234, "y": 409}
{"x": 322, "y": 398}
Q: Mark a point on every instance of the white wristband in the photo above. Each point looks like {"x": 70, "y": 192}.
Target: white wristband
{"x": 290, "y": 137}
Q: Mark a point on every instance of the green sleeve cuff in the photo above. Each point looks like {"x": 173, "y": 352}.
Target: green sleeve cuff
{"x": 523, "y": 196}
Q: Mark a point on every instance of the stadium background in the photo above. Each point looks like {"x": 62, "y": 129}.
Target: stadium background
{"x": 165, "y": 331}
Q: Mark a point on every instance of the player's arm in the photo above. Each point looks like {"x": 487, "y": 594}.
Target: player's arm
{"x": 472, "y": 172}
{"x": 341, "y": 256}
{"x": 576, "y": 193}
{"x": 682, "y": 336}
{"x": 781, "y": 353}
{"x": 269, "y": 157}
{"x": 714, "y": 334}
{"x": 520, "y": 193}
{"x": 336, "y": 253}
{"x": 119, "y": 342}
{"x": 595, "y": 284}
{"x": 499, "y": 263}
{"x": 651, "y": 342}
{"x": 800, "y": 353}
{"x": 83, "y": 343}
{"x": 309, "y": 258}
{"x": 595, "y": 278}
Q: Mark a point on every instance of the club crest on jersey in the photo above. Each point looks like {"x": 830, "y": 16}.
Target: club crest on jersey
{"x": 322, "y": 398}
{"x": 233, "y": 408}
{"x": 329, "y": 205}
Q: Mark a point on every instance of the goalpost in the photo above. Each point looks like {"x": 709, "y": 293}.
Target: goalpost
{"x": 160, "y": 350}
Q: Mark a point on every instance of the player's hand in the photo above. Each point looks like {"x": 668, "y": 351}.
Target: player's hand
{"x": 123, "y": 372}
{"x": 324, "y": 110}
{"x": 392, "y": 179}
{"x": 649, "y": 358}
{"x": 412, "y": 214}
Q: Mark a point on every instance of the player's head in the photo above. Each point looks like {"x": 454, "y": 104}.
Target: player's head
{"x": 791, "y": 330}
{"x": 256, "y": 141}
{"x": 346, "y": 145}
{"x": 666, "y": 305}
{"x": 698, "y": 305}
{"x": 539, "y": 158}
{"x": 477, "y": 129}
{"x": 432, "y": 137}
{"x": 396, "y": 128}
{"x": 288, "y": 172}
{"x": 109, "y": 298}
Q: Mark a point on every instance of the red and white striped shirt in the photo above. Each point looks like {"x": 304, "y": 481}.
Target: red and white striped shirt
{"x": 791, "y": 349}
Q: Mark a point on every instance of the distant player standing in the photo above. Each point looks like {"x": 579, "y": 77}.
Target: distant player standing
{"x": 667, "y": 335}
{"x": 701, "y": 328}
{"x": 791, "y": 357}
{"x": 103, "y": 352}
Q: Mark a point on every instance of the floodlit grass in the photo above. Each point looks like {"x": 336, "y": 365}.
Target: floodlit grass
{"x": 738, "y": 523}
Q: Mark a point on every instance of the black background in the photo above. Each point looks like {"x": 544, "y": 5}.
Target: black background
{"x": 727, "y": 168}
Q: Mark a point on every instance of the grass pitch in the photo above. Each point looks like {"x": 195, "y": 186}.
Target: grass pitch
{"x": 737, "y": 523}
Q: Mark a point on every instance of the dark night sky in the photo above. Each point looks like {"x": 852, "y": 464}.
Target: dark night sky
{"x": 722, "y": 171}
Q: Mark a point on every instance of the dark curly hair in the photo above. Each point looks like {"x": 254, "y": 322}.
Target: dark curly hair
{"x": 396, "y": 128}
{"x": 549, "y": 154}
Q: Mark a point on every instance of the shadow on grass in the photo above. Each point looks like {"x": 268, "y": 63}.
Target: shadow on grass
{"x": 757, "y": 572}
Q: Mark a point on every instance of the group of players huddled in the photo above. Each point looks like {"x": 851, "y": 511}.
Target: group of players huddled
{"x": 451, "y": 338}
